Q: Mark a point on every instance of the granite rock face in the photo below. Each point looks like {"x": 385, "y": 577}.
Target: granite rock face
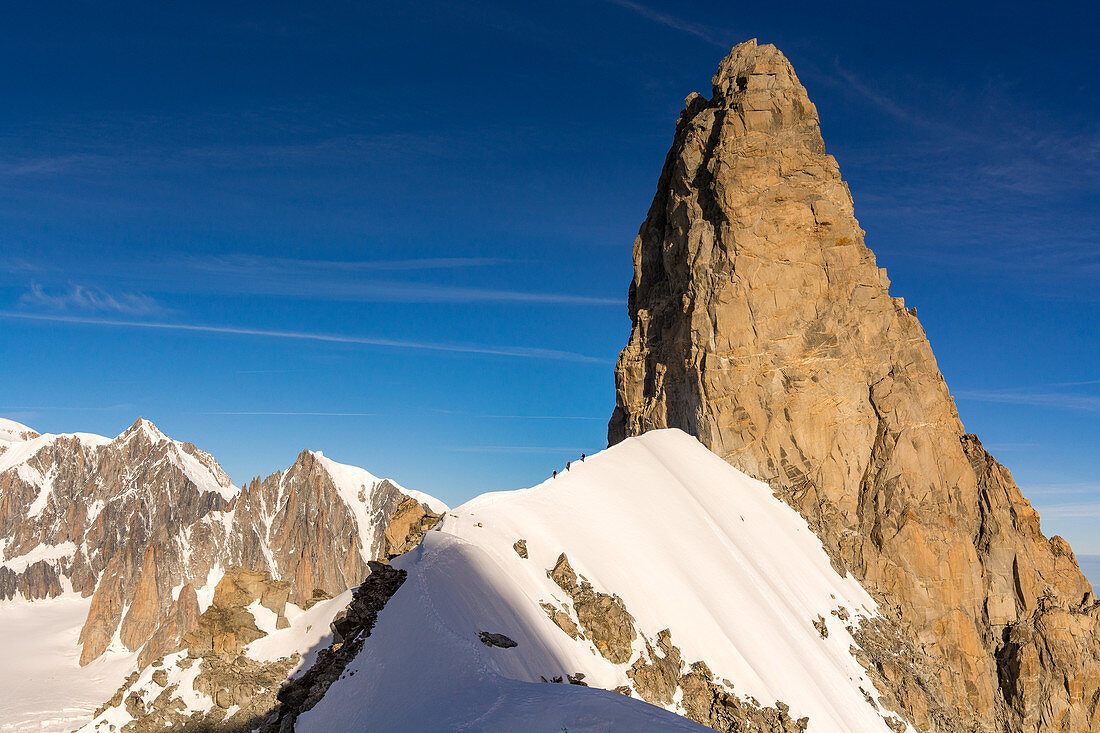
{"x": 763, "y": 325}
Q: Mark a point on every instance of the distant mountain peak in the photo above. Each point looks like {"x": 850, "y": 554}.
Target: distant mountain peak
{"x": 144, "y": 428}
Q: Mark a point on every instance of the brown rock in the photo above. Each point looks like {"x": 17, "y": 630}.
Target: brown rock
{"x": 656, "y": 677}
{"x": 227, "y": 626}
{"x": 145, "y": 605}
{"x": 603, "y": 618}
{"x": 706, "y": 701}
{"x": 407, "y": 526}
{"x": 563, "y": 620}
{"x": 763, "y": 326}
{"x": 180, "y": 621}
{"x": 37, "y": 580}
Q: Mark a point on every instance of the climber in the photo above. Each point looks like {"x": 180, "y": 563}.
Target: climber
{"x": 582, "y": 458}
{"x": 555, "y": 474}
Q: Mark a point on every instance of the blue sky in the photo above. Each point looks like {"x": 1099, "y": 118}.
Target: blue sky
{"x": 400, "y": 233}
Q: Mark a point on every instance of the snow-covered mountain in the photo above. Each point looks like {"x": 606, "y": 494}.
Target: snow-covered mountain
{"x": 122, "y": 543}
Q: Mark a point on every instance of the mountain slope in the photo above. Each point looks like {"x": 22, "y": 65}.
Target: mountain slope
{"x": 44, "y": 687}
{"x": 625, "y": 572}
{"x": 763, "y": 325}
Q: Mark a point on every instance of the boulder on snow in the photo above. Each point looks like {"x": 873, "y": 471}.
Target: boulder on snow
{"x": 500, "y": 640}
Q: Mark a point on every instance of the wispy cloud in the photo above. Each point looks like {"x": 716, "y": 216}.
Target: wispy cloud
{"x": 882, "y": 101}
{"x": 266, "y": 371}
{"x": 511, "y": 351}
{"x": 1084, "y": 510}
{"x": 104, "y": 408}
{"x": 79, "y": 297}
{"x": 404, "y": 292}
{"x": 522, "y": 417}
{"x": 344, "y": 280}
{"x": 540, "y": 417}
{"x": 1059, "y": 400}
{"x": 513, "y": 449}
{"x": 671, "y": 21}
{"x": 42, "y": 165}
{"x": 293, "y": 413}
{"x": 245, "y": 264}
{"x": 1053, "y": 489}
{"x": 361, "y": 281}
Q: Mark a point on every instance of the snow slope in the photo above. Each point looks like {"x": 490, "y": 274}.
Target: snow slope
{"x": 352, "y": 480}
{"x": 12, "y": 431}
{"x": 307, "y": 634}
{"x": 689, "y": 543}
{"x": 42, "y": 686}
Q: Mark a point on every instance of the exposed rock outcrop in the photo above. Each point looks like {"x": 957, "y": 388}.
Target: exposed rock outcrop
{"x": 763, "y": 326}
{"x": 488, "y": 638}
{"x": 562, "y": 620}
{"x": 227, "y": 625}
{"x": 708, "y": 702}
{"x": 181, "y": 620}
{"x": 317, "y": 535}
{"x": 37, "y": 580}
{"x": 657, "y": 676}
{"x": 603, "y": 617}
{"x": 407, "y": 525}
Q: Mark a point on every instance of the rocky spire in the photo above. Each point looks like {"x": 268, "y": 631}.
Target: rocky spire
{"x": 763, "y": 325}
